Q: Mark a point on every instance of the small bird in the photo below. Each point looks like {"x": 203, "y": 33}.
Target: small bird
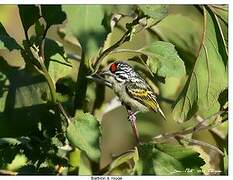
{"x": 132, "y": 90}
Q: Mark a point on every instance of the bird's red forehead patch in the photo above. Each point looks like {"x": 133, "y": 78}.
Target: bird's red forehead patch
{"x": 113, "y": 67}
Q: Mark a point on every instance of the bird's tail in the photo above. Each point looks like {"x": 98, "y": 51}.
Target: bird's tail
{"x": 161, "y": 112}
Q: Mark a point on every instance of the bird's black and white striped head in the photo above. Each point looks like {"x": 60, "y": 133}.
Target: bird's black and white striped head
{"x": 121, "y": 71}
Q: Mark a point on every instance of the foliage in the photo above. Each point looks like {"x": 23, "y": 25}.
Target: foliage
{"x": 51, "y": 115}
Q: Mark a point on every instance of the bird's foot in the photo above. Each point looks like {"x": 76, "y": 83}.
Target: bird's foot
{"x": 132, "y": 118}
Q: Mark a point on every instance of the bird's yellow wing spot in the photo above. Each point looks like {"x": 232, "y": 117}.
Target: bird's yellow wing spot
{"x": 143, "y": 96}
{"x": 139, "y": 93}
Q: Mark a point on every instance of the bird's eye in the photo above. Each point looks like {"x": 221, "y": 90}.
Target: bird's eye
{"x": 113, "y": 67}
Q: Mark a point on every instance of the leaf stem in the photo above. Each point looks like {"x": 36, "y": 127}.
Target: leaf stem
{"x": 64, "y": 113}
{"x": 126, "y": 51}
{"x": 51, "y": 84}
{"x": 109, "y": 50}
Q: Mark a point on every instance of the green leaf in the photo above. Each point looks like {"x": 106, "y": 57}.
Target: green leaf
{"x": 29, "y": 14}
{"x": 157, "y": 12}
{"x": 84, "y": 133}
{"x": 25, "y": 97}
{"x": 53, "y": 14}
{"x": 19, "y": 161}
{"x": 33, "y": 90}
{"x": 39, "y": 29}
{"x": 209, "y": 75}
{"x": 58, "y": 68}
{"x": 126, "y": 10}
{"x": 85, "y": 165}
{"x": 113, "y": 14}
{"x": 124, "y": 158}
{"x": 53, "y": 47}
{"x": 163, "y": 59}
{"x": 221, "y": 13}
{"x": 55, "y": 60}
{"x": 14, "y": 141}
{"x": 209, "y": 168}
{"x": 69, "y": 38}
{"x": 74, "y": 157}
{"x": 168, "y": 159}
{"x": 85, "y": 21}
{"x": 7, "y": 42}
{"x": 185, "y": 36}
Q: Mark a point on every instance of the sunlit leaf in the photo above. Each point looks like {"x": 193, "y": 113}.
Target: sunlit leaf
{"x": 163, "y": 59}
{"x": 84, "y": 133}
{"x": 157, "y": 12}
{"x": 55, "y": 60}
{"x": 185, "y": 36}
{"x": 124, "y": 158}
{"x": 208, "y": 168}
{"x": 208, "y": 78}
{"x": 221, "y": 15}
{"x": 14, "y": 141}
{"x": 85, "y": 165}
{"x": 168, "y": 159}
{"x": 85, "y": 21}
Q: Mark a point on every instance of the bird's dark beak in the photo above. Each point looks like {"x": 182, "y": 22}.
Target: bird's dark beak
{"x": 105, "y": 73}
{"x": 99, "y": 78}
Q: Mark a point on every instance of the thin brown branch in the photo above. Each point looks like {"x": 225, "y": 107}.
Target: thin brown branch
{"x": 181, "y": 135}
{"x": 200, "y": 143}
{"x": 60, "y": 107}
{"x": 132, "y": 119}
{"x": 110, "y": 49}
{"x": 135, "y": 130}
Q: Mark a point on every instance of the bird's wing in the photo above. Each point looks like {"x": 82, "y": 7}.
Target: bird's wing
{"x": 141, "y": 92}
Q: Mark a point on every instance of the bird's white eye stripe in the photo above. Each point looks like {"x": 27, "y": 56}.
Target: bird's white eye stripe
{"x": 119, "y": 79}
{"x": 123, "y": 76}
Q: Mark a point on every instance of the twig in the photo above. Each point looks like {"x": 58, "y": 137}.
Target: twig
{"x": 132, "y": 118}
{"x": 109, "y": 50}
{"x": 196, "y": 128}
{"x": 181, "y": 135}
{"x": 135, "y": 130}
{"x": 200, "y": 143}
{"x": 39, "y": 56}
{"x": 41, "y": 59}
{"x": 42, "y": 44}
{"x": 60, "y": 107}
